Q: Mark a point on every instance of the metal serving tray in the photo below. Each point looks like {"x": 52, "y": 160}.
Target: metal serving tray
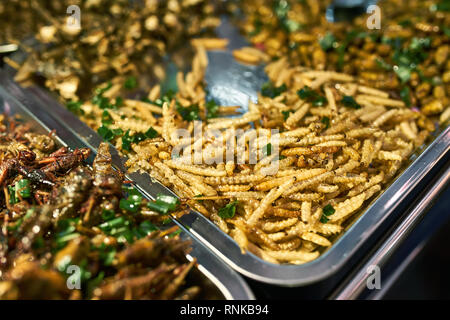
{"x": 359, "y": 236}
{"x": 231, "y": 83}
{"x": 217, "y": 279}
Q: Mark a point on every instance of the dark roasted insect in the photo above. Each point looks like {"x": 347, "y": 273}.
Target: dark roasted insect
{"x": 58, "y": 212}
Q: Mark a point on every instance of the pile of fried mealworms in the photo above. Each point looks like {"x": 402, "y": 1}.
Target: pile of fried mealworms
{"x": 116, "y": 40}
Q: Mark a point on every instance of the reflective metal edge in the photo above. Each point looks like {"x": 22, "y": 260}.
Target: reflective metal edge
{"x": 227, "y": 249}
{"x": 357, "y": 284}
{"x": 226, "y": 280}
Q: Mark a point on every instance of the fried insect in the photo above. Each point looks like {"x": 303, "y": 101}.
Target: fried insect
{"x": 82, "y": 218}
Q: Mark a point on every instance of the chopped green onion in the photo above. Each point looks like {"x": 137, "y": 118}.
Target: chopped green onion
{"x": 326, "y": 122}
{"x": 119, "y": 102}
{"x": 23, "y": 188}
{"x": 12, "y": 195}
{"x": 128, "y": 205}
{"x": 61, "y": 241}
{"x": 163, "y": 204}
{"x": 383, "y": 64}
{"x": 404, "y": 73}
{"x": 269, "y": 90}
{"x": 228, "y": 211}
{"x": 107, "y": 214}
{"x": 190, "y": 113}
{"x": 327, "y": 211}
{"x": 21, "y": 220}
{"x": 126, "y": 141}
{"x": 151, "y": 133}
{"x": 106, "y": 118}
{"x": 146, "y": 227}
{"x": 310, "y": 95}
{"x": 212, "y": 107}
{"x": 174, "y": 234}
{"x": 114, "y": 223}
{"x": 105, "y": 133}
{"x": 75, "y": 107}
{"x": 130, "y": 83}
{"x": 286, "y": 114}
{"x": 108, "y": 257}
{"x": 267, "y": 150}
{"x": 327, "y": 41}
{"x": 349, "y": 102}
{"x": 404, "y": 94}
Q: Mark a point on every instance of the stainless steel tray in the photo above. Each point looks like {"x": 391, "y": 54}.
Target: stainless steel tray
{"x": 343, "y": 251}
{"x": 217, "y": 279}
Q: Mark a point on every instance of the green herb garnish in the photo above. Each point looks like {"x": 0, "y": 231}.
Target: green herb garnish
{"x": 12, "y": 195}
{"x": 100, "y": 100}
{"x": 190, "y": 113}
{"x": 312, "y": 96}
{"x": 213, "y": 108}
{"x": 106, "y": 133}
{"x": 23, "y": 188}
{"x": 444, "y": 5}
{"x": 127, "y": 140}
{"x": 327, "y": 211}
{"x": 164, "y": 204}
{"x": 174, "y": 234}
{"x": 267, "y": 150}
{"x": 257, "y": 24}
{"x": 326, "y": 122}
{"x": 404, "y": 94}
{"x": 130, "y": 83}
{"x": 106, "y": 118}
{"x": 327, "y": 41}
{"x": 228, "y": 211}
{"x": 286, "y": 114}
{"x": 349, "y": 102}
{"x": 75, "y": 107}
